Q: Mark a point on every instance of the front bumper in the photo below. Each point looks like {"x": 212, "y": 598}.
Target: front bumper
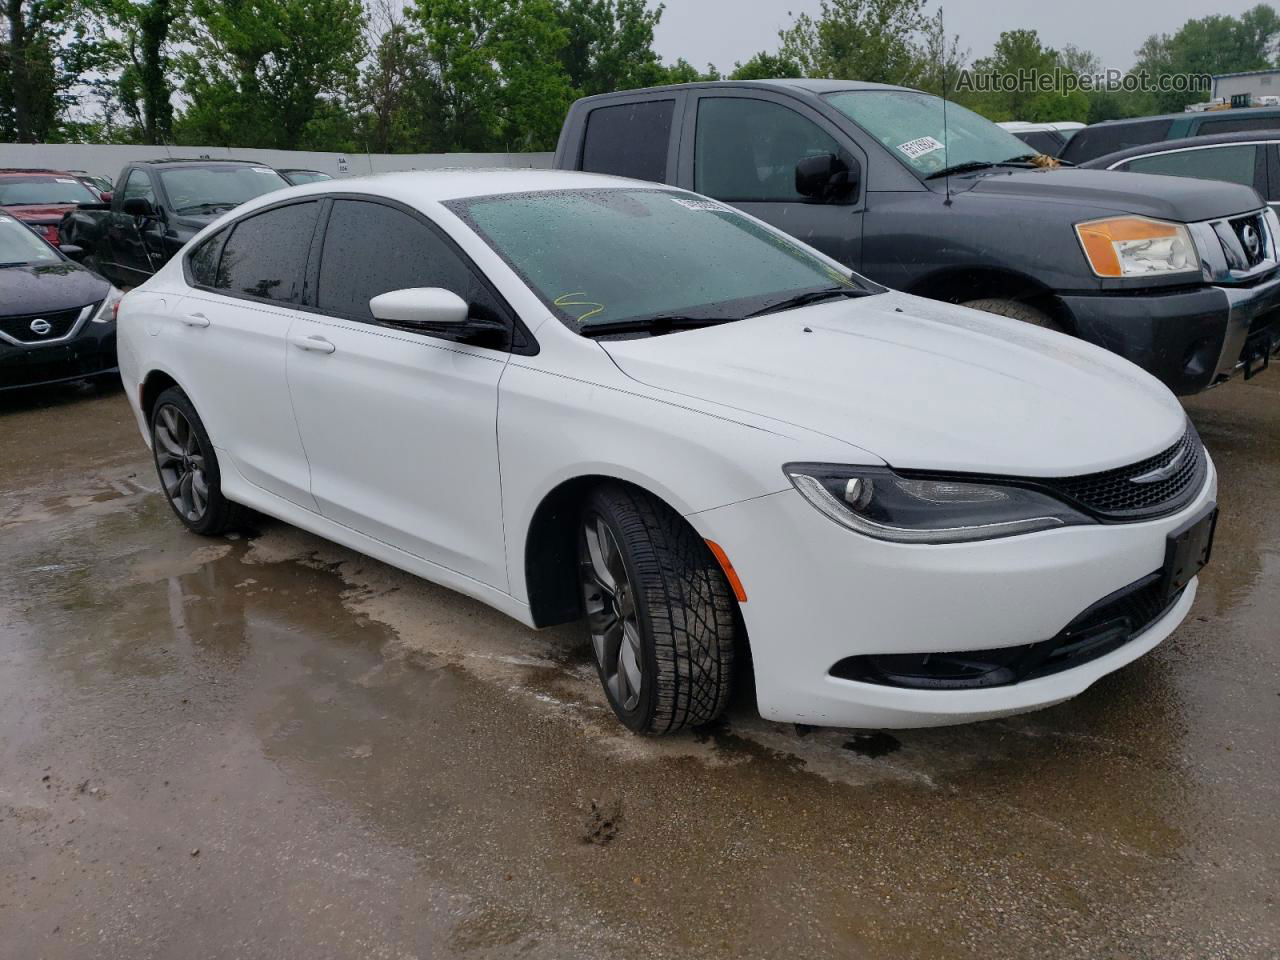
{"x": 91, "y": 352}
{"x": 818, "y": 594}
{"x": 1189, "y": 339}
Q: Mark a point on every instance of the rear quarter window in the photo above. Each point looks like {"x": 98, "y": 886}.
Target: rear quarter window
{"x": 629, "y": 140}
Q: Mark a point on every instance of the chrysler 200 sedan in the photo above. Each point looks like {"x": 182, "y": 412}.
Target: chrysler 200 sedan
{"x": 573, "y": 396}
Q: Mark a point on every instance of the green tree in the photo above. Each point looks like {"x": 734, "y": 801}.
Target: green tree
{"x": 766, "y": 66}
{"x": 137, "y": 53}
{"x": 609, "y": 45}
{"x": 873, "y": 40}
{"x": 1019, "y": 56}
{"x": 37, "y": 67}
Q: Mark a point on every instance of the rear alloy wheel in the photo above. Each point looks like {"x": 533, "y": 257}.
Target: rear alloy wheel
{"x": 1016, "y": 310}
{"x": 188, "y": 467}
{"x": 659, "y": 611}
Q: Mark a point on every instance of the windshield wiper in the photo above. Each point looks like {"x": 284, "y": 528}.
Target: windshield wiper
{"x": 812, "y": 296}
{"x": 663, "y": 323}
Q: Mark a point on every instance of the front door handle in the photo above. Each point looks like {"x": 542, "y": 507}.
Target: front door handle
{"x": 314, "y": 344}
{"x": 196, "y": 320}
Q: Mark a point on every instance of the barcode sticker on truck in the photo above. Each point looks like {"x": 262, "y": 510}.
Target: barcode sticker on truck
{"x": 914, "y": 149}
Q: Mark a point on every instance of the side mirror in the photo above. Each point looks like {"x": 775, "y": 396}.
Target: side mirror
{"x": 431, "y": 307}
{"x": 826, "y": 178}
{"x": 72, "y": 251}
{"x": 105, "y": 196}
{"x": 138, "y": 207}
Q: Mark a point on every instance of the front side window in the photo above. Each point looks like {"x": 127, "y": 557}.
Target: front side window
{"x": 913, "y": 128}
{"x": 629, "y": 140}
{"x": 747, "y": 150}
{"x": 19, "y": 246}
{"x": 370, "y": 249}
{"x": 15, "y": 191}
{"x": 138, "y": 186}
{"x": 266, "y": 254}
{"x": 603, "y": 256}
{"x": 1235, "y": 163}
{"x": 217, "y": 187}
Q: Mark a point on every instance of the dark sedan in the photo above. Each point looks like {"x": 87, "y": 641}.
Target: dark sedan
{"x": 57, "y": 319}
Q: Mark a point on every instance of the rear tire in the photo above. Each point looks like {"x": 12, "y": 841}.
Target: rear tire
{"x": 1016, "y": 310}
{"x": 188, "y": 467}
{"x": 660, "y": 612}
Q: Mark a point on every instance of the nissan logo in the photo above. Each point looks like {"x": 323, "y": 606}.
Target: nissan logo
{"x": 41, "y": 327}
{"x": 1252, "y": 242}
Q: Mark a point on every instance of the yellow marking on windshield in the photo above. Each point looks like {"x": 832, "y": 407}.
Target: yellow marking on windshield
{"x": 564, "y": 301}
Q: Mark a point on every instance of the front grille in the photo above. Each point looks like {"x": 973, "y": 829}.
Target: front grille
{"x": 60, "y": 324}
{"x": 1115, "y": 494}
{"x": 1104, "y": 627}
{"x": 1251, "y": 232}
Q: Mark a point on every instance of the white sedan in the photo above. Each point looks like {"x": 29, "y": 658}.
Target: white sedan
{"x": 569, "y": 395}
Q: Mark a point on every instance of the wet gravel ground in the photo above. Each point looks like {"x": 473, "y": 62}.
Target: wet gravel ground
{"x": 269, "y": 746}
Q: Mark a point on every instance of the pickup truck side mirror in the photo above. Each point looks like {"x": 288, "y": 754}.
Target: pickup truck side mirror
{"x": 138, "y": 207}
{"x": 826, "y": 178}
{"x": 71, "y": 250}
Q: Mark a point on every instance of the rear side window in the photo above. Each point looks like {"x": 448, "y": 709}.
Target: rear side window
{"x": 1096, "y": 141}
{"x": 266, "y": 254}
{"x": 1234, "y": 124}
{"x": 204, "y": 260}
{"x": 370, "y": 249}
{"x": 1235, "y": 163}
{"x": 629, "y": 140}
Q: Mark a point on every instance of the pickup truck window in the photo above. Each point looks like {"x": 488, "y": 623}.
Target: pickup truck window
{"x": 1234, "y": 163}
{"x": 910, "y": 125}
{"x": 138, "y": 185}
{"x": 15, "y": 191}
{"x": 624, "y": 255}
{"x": 213, "y": 188}
{"x": 747, "y": 150}
{"x": 266, "y": 255}
{"x": 629, "y": 140}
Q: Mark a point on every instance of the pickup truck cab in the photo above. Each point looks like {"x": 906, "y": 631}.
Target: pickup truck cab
{"x": 1179, "y": 276}
{"x": 157, "y": 206}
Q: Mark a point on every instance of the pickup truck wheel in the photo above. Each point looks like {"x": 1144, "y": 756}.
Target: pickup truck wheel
{"x": 1015, "y": 310}
{"x": 188, "y": 467}
{"x": 659, "y": 611}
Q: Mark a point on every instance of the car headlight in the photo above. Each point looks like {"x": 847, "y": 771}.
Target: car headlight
{"x": 1137, "y": 247}
{"x": 107, "y": 312}
{"x": 880, "y": 503}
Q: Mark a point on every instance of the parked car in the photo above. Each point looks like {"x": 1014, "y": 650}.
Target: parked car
{"x": 570, "y": 394}
{"x": 99, "y": 184}
{"x": 1047, "y": 138}
{"x": 951, "y": 207}
{"x": 39, "y": 198}
{"x": 56, "y": 318}
{"x": 1112, "y": 135}
{"x": 159, "y": 206}
{"x": 295, "y": 176}
{"x": 1250, "y": 159}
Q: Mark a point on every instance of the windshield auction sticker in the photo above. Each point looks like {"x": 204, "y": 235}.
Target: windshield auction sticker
{"x": 914, "y": 149}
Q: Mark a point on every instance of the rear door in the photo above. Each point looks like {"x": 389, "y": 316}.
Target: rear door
{"x": 400, "y": 427}
{"x": 232, "y": 333}
{"x": 742, "y": 147}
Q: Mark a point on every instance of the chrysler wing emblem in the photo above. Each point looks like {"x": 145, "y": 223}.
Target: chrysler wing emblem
{"x": 41, "y": 327}
{"x": 1162, "y": 473}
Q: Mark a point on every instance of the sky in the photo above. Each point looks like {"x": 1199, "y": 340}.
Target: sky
{"x": 725, "y": 31}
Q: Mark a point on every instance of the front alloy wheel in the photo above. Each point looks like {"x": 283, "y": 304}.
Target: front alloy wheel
{"x": 611, "y": 616}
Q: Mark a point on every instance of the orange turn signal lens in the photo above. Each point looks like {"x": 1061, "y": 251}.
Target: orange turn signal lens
{"x": 730, "y": 574}
{"x": 1136, "y": 246}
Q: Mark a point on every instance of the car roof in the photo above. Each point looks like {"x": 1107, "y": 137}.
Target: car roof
{"x": 1182, "y": 143}
{"x": 1217, "y": 114}
{"x": 202, "y": 161}
{"x": 806, "y": 86}
{"x": 35, "y": 171}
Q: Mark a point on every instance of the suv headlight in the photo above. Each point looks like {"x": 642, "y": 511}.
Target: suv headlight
{"x": 880, "y": 503}
{"x": 107, "y": 312}
{"x": 1137, "y": 247}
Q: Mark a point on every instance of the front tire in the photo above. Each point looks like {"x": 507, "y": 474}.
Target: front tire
{"x": 188, "y": 467}
{"x": 1016, "y": 310}
{"x": 659, "y": 610}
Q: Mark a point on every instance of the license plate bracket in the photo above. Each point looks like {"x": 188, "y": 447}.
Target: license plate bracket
{"x": 1187, "y": 551}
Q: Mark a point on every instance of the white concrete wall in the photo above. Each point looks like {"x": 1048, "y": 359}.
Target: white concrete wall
{"x": 108, "y": 160}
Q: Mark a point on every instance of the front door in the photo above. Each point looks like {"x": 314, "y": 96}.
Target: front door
{"x": 134, "y": 242}
{"x": 400, "y": 428}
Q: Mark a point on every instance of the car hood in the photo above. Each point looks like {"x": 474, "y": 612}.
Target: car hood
{"x": 1181, "y": 199}
{"x": 48, "y": 287}
{"x": 922, "y": 385}
{"x": 39, "y": 212}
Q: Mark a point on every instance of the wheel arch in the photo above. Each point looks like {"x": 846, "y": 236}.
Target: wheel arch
{"x": 962, "y": 284}
{"x": 154, "y": 383}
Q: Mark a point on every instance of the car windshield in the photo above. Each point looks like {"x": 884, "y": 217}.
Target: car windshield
{"x": 605, "y": 256}
{"x": 15, "y": 191}
{"x": 195, "y": 189}
{"x": 19, "y": 246}
{"x": 912, "y": 127}
{"x": 297, "y": 177}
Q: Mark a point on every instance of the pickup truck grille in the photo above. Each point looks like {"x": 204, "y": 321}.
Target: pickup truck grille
{"x": 1150, "y": 488}
{"x": 60, "y": 325}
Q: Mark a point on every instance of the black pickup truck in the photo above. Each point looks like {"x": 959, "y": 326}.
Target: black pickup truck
{"x": 157, "y": 206}
{"x": 1180, "y": 276}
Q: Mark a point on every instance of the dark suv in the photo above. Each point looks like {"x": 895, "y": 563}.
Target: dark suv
{"x": 1180, "y": 276}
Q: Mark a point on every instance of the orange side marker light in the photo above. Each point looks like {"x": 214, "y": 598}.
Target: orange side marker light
{"x": 730, "y": 574}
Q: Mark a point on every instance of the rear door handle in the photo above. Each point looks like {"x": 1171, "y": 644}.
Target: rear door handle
{"x": 314, "y": 344}
{"x": 196, "y": 320}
